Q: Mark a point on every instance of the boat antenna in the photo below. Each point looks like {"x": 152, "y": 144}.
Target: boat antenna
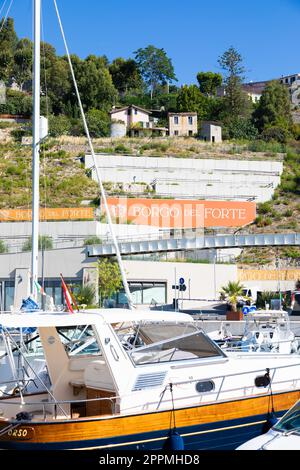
{"x": 103, "y": 195}
{"x": 36, "y": 147}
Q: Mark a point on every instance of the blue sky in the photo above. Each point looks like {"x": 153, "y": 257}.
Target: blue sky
{"x": 194, "y": 33}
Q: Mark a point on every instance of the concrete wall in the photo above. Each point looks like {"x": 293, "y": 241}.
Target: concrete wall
{"x": 65, "y": 233}
{"x": 203, "y": 279}
{"x": 188, "y": 177}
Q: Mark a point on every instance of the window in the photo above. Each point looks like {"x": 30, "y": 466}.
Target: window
{"x": 185, "y": 347}
{"x": 175, "y": 132}
{"x": 9, "y": 295}
{"x": 290, "y": 421}
{"x": 205, "y": 386}
{"x": 79, "y": 340}
{"x": 135, "y": 111}
{"x": 53, "y": 288}
{"x": 176, "y": 120}
{"x": 190, "y": 120}
{"x": 144, "y": 293}
{"x": 190, "y": 133}
{"x": 129, "y": 112}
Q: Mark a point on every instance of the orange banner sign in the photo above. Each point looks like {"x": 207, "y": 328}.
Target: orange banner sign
{"x": 22, "y": 215}
{"x": 268, "y": 274}
{"x": 182, "y": 213}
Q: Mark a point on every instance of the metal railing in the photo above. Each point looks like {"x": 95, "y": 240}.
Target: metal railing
{"x": 157, "y": 403}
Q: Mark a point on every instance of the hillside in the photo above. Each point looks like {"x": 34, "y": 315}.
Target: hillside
{"x": 64, "y": 181}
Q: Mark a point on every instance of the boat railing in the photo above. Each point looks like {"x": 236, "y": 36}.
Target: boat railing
{"x": 275, "y": 383}
{"x": 242, "y": 347}
{"x": 31, "y": 409}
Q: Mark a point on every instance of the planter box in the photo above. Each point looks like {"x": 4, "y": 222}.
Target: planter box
{"x": 234, "y": 316}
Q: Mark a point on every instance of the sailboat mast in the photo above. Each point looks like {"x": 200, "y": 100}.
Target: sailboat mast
{"x": 36, "y": 146}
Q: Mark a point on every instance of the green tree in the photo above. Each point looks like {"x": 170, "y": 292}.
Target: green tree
{"x": 59, "y": 125}
{"x": 110, "y": 280}
{"x": 190, "y": 99}
{"x": 8, "y": 41}
{"x": 95, "y": 84}
{"x": 98, "y": 122}
{"x": 241, "y": 128}
{"x": 22, "y": 68}
{"x": 45, "y": 243}
{"x": 59, "y": 85}
{"x": 274, "y": 108}
{"x": 125, "y": 75}
{"x": 209, "y": 82}
{"x": 92, "y": 241}
{"x": 155, "y": 67}
{"x": 232, "y": 292}
{"x": 236, "y": 102}
{"x": 3, "y": 247}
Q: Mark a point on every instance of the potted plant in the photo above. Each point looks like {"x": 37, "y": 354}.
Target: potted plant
{"x": 233, "y": 293}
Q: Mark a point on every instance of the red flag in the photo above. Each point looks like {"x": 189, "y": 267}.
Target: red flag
{"x": 67, "y": 295}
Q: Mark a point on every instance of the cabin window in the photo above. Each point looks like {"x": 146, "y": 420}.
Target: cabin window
{"x": 79, "y": 340}
{"x": 190, "y": 120}
{"x": 205, "y": 386}
{"x": 159, "y": 343}
{"x": 176, "y": 120}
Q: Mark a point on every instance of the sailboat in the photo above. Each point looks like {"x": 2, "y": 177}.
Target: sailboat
{"x": 130, "y": 379}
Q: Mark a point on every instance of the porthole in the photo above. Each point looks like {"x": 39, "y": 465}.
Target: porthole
{"x": 205, "y": 386}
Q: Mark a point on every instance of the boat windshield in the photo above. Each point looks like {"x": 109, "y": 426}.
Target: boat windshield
{"x": 150, "y": 343}
{"x": 290, "y": 421}
{"x": 79, "y": 340}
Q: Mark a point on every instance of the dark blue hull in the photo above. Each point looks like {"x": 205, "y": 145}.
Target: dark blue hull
{"x": 223, "y": 435}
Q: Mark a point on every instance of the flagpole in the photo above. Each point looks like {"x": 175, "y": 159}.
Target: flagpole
{"x": 36, "y": 147}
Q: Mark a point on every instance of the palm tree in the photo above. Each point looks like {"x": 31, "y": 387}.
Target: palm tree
{"x": 232, "y": 292}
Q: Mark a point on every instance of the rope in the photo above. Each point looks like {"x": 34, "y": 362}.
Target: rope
{"x": 5, "y": 1}
{"x": 8, "y": 428}
{"x": 7, "y": 13}
{"x": 173, "y": 409}
{"x": 103, "y": 194}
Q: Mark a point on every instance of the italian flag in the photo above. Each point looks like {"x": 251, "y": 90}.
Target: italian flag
{"x": 39, "y": 288}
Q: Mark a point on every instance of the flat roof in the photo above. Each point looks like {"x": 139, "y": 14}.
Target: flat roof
{"x": 111, "y": 315}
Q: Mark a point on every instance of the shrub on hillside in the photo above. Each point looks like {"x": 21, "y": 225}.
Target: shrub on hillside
{"x": 3, "y": 247}
{"x": 241, "y": 128}
{"x": 98, "y": 123}
{"x": 59, "y": 125}
{"x": 92, "y": 241}
{"x": 276, "y": 133}
{"x": 17, "y": 103}
{"x": 45, "y": 243}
